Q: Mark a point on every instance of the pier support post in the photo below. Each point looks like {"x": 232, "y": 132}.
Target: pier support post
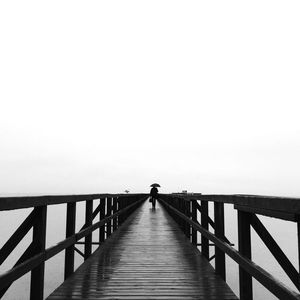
{"x": 187, "y": 211}
{"x": 114, "y": 210}
{"x": 220, "y": 233}
{"x": 204, "y": 224}
{"x": 39, "y": 241}
{"x": 298, "y": 233}
{"x": 109, "y": 210}
{"x": 101, "y": 217}
{"x": 88, "y": 222}
{"x": 70, "y": 230}
{"x": 244, "y": 233}
{"x": 194, "y": 218}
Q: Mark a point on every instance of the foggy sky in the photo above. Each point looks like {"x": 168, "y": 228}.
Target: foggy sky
{"x": 107, "y": 96}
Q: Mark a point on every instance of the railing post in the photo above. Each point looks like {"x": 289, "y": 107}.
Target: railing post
{"x": 109, "y": 209}
{"x": 181, "y": 205}
{"x": 126, "y": 203}
{"x": 204, "y": 224}
{"x": 120, "y": 206}
{"x": 244, "y": 233}
{"x": 175, "y": 203}
{"x": 219, "y": 232}
{"x": 88, "y": 222}
{"x": 39, "y": 240}
{"x": 298, "y": 235}
{"x": 187, "y": 226}
{"x": 70, "y": 230}
{"x": 194, "y": 218}
{"x": 114, "y": 210}
{"x": 101, "y": 217}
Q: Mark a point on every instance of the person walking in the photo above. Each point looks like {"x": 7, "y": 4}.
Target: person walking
{"x": 154, "y": 194}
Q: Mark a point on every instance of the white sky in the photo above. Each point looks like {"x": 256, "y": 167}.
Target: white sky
{"x": 103, "y": 96}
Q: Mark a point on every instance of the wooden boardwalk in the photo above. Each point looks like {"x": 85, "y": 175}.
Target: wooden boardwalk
{"x": 147, "y": 258}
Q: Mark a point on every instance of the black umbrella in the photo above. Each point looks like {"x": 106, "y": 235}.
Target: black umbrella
{"x": 155, "y": 185}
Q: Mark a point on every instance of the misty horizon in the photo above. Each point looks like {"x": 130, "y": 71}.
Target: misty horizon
{"x": 196, "y": 97}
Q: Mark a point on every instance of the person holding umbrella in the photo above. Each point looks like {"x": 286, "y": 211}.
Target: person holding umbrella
{"x": 154, "y": 194}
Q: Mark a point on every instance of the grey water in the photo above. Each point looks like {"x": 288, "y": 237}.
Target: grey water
{"x": 284, "y": 232}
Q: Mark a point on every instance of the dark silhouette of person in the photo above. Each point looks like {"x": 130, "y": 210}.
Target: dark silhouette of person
{"x": 154, "y": 196}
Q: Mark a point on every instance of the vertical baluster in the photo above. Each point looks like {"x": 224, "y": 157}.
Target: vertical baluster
{"x": 101, "y": 217}
{"x": 187, "y": 213}
{"x": 298, "y": 232}
{"x": 88, "y": 222}
{"x": 184, "y": 212}
{"x": 178, "y": 219}
{"x": 117, "y": 209}
{"x": 120, "y": 206}
{"x": 194, "y": 218}
{"x": 244, "y": 234}
{"x": 127, "y": 200}
{"x": 70, "y": 230}
{"x": 204, "y": 224}
{"x": 39, "y": 240}
{"x": 219, "y": 232}
{"x": 182, "y": 222}
{"x": 114, "y": 210}
{"x": 109, "y": 209}
{"x": 190, "y": 216}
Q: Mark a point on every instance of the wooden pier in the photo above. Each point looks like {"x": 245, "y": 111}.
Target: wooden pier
{"x": 151, "y": 254}
{"x": 147, "y": 258}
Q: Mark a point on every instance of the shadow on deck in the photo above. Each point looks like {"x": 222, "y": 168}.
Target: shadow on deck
{"x": 148, "y": 257}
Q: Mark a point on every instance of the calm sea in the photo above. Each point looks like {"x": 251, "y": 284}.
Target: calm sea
{"x": 285, "y": 233}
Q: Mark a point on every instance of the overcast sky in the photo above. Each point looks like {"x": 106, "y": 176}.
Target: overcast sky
{"x": 103, "y": 96}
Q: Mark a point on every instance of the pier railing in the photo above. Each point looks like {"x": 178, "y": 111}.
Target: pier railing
{"x": 186, "y": 210}
{"x": 112, "y": 209}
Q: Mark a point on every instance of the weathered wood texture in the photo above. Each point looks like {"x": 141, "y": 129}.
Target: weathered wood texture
{"x": 34, "y": 257}
{"x": 278, "y": 207}
{"x": 8, "y": 203}
{"x": 147, "y": 258}
{"x": 242, "y": 258}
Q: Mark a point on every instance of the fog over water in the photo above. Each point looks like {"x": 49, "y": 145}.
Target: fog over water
{"x": 106, "y": 96}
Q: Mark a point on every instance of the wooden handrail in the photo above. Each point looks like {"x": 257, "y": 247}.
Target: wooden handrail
{"x": 183, "y": 211}
{"x": 279, "y": 207}
{"x": 9, "y": 203}
{"x": 183, "y": 207}
{"x": 28, "y": 265}
{"x": 286, "y": 208}
{"x": 34, "y": 257}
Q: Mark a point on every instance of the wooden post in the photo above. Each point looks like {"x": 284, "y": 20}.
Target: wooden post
{"x": 109, "y": 209}
{"x": 88, "y": 222}
{"x": 114, "y": 210}
{"x": 70, "y": 230}
{"x": 298, "y": 233}
{"x": 179, "y": 220}
{"x": 181, "y": 205}
{"x": 117, "y": 208}
{"x": 220, "y": 233}
{"x": 120, "y": 206}
{"x": 194, "y": 218}
{"x": 244, "y": 233}
{"x": 187, "y": 212}
{"x": 204, "y": 224}
{"x": 101, "y": 217}
{"x": 39, "y": 240}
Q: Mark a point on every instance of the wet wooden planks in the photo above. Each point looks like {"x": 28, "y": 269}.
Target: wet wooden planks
{"x": 147, "y": 258}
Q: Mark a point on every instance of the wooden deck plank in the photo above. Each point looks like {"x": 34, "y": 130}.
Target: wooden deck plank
{"x": 147, "y": 258}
